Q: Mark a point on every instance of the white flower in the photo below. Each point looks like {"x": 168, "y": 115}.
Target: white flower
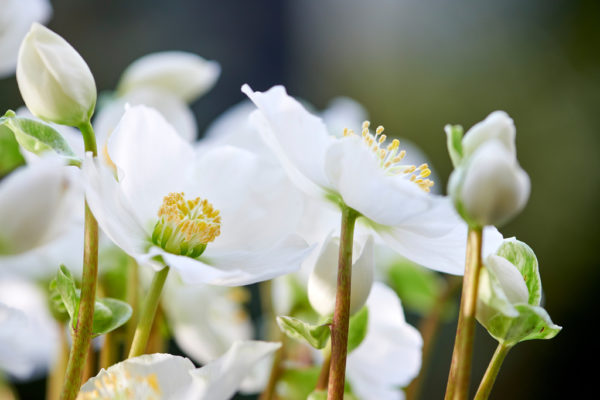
{"x": 361, "y": 172}
{"x": 164, "y": 376}
{"x": 233, "y": 226}
{"x": 55, "y": 82}
{"x": 40, "y": 210}
{"x": 390, "y": 355}
{"x": 28, "y": 333}
{"x": 322, "y": 282}
{"x": 15, "y": 20}
{"x": 185, "y": 75}
{"x": 488, "y": 186}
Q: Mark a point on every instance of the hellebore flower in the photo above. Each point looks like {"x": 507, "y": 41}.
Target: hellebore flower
{"x": 220, "y": 218}
{"x": 363, "y": 173}
{"x": 15, "y": 20}
{"x": 488, "y": 186}
{"x": 164, "y": 376}
{"x": 55, "y": 82}
{"x": 389, "y": 357}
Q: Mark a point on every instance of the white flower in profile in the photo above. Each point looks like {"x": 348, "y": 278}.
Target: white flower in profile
{"x": 28, "y": 333}
{"x": 366, "y": 174}
{"x": 220, "y": 218}
{"x": 164, "y": 376}
{"x": 16, "y": 19}
{"x": 40, "y": 210}
{"x": 390, "y": 355}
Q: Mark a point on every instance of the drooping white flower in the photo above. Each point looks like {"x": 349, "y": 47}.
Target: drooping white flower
{"x": 488, "y": 186}
{"x": 28, "y": 333}
{"x": 164, "y": 376}
{"x": 15, "y": 20}
{"x": 365, "y": 174}
{"x": 322, "y": 282}
{"x": 220, "y": 218}
{"x": 55, "y": 82}
{"x": 390, "y": 355}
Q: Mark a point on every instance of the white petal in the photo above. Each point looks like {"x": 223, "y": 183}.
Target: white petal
{"x": 342, "y": 113}
{"x": 497, "y": 126}
{"x": 355, "y": 174}
{"x": 390, "y": 355}
{"x": 171, "y": 107}
{"x": 298, "y": 138}
{"x": 220, "y": 379}
{"x": 182, "y": 74}
{"x": 510, "y": 279}
{"x": 151, "y": 158}
{"x": 237, "y": 268}
{"x": 16, "y": 19}
{"x": 113, "y": 211}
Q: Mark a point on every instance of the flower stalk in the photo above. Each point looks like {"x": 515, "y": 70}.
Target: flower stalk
{"x": 485, "y": 387}
{"x": 142, "y": 332}
{"x": 82, "y": 333}
{"x": 460, "y": 369}
{"x": 341, "y": 314}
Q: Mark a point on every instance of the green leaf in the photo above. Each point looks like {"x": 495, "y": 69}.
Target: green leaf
{"x": 38, "y": 137}
{"x": 523, "y": 257}
{"x": 297, "y": 384}
{"x": 109, "y": 314}
{"x": 56, "y": 304}
{"x": 358, "y": 328}
{"x": 10, "y": 156}
{"x": 65, "y": 285}
{"x": 454, "y": 134}
{"x": 315, "y": 335}
{"x": 533, "y": 322}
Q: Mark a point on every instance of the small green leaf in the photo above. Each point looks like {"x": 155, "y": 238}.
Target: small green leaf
{"x": 38, "y": 137}
{"x": 533, "y": 322}
{"x": 358, "y": 328}
{"x": 314, "y": 335}
{"x": 454, "y": 134}
{"x": 65, "y": 285}
{"x": 56, "y": 304}
{"x": 109, "y": 314}
{"x": 523, "y": 257}
{"x": 10, "y": 156}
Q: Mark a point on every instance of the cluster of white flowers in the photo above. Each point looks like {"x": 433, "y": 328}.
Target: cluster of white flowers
{"x": 259, "y": 197}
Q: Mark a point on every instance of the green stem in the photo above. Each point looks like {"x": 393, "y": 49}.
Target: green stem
{"x": 485, "y": 387}
{"x": 460, "y": 369}
{"x": 82, "y": 333}
{"x": 142, "y": 332}
{"x": 133, "y": 300}
{"x": 341, "y": 314}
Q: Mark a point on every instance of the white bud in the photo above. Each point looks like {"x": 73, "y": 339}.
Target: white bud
{"x": 181, "y": 74}
{"x": 322, "y": 282}
{"x": 497, "y": 126}
{"x": 55, "y": 82}
{"x": 490, "y": 187}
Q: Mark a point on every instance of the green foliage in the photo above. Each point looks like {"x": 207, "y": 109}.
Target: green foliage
{"x": 109, "y": 314}
{"x": 298, "y": 384}
{"x": 454, "y": 134}
{"x": 38, "y": 137}
{"x": 10, "y": 156}
{"x": 358, "y": 328}
{"x": 315, "y": 335}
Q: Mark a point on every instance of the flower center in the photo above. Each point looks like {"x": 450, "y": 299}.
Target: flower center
{"x": 122, "y": 386}
{"x": 186, "y": 226}
{"x": 390, "y": 157}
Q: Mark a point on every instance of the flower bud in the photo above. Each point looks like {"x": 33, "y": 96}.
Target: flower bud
{"x": 55, "y": 82}
{"x": 322, "y": 282}
{"x": 498, "y": 125}
{"x": 490, "y": 187}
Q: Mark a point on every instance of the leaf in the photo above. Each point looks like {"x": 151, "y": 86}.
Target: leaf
{"x": 358, "y": 328}
{"x": 315, "y": 335}
{"x": 523, "y": 257}
{"x": 297, "y": 384}
{"x": 10, "y": 156}
{"x": 533, "y": 322}
{"x": 109, "y": 314}
{"x": 38, "y": 137}
{"x": 55, "y": 302}
{"x": 65, "y": 285}
{"x": 454, "y": 134}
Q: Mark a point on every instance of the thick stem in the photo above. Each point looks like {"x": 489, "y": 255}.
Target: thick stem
{"x": 460, "y": 369}
{"x": 485, "y": 387}
{"x": 429, "y": 328}
{"x": 324, "y": 374}
{"x": 82, "y": 333}
{"x": 142, "y": 332}
{"x": 341, "y": 314}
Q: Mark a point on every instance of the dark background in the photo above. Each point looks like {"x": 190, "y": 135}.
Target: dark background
{"x": 415, "y": 67}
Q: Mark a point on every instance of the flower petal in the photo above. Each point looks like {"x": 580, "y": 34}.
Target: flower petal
{"x": 496, "y": 126}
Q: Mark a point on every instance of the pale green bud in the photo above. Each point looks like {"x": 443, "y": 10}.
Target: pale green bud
{"x": 55, "y": 82}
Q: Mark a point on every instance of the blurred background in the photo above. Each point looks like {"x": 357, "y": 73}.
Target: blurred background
{"x": 415, "y": 66}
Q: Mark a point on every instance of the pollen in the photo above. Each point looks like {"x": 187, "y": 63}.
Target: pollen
{"x": 185, "y": 227}
{"x": 390, "y": 157}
